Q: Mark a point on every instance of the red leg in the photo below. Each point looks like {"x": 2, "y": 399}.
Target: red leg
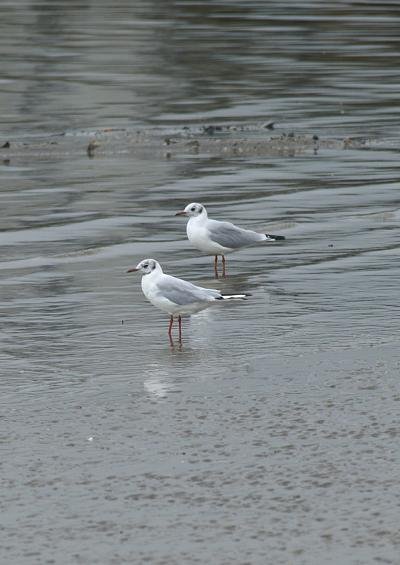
{"x": 171, "y": 321}
{"x": 223, "y": 266}
{"x": 216, "y": 266}
{"x": 180, "y": 328}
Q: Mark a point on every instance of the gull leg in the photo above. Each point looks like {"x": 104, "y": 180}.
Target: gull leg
{"x": 180, "y": 328}
{"x": 223, "y": 267}
{"x": 171, "y": 321}
{"x": 216, "y": 266}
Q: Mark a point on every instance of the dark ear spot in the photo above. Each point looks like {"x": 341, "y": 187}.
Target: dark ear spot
{"x": 153, "y": 266}
{"x": 200, "y": 209}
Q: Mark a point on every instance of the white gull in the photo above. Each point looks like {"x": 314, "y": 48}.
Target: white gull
{"x": 174, "y": 296}
{"x": 219, "y": 238}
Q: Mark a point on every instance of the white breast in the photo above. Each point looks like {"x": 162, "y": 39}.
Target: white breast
{"x": 149, "y": 288}
{"x": 198, "y": 236}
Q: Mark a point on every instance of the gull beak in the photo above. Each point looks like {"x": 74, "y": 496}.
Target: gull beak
{"x": 181, "y": 213}
{"x": 133, "y": 270}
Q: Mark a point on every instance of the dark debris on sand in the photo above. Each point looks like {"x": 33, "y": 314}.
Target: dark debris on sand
{"x": 230, "y": 139}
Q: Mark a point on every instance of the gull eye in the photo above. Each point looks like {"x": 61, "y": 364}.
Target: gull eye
{"x": 193, "y": 209}
{"x": 145, "y": 266}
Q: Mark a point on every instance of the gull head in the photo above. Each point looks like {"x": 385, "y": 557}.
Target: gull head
{"x": 146, "y": 267}
{"x": 192, "y": 210}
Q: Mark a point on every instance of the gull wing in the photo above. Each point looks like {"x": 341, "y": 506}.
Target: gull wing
{"x": 230, "y": 236}
{"x": 181, "y": 292}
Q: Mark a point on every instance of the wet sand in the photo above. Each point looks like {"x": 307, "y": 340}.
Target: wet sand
{"x": 271, "y": 435}
{"x": 279, "y": 460}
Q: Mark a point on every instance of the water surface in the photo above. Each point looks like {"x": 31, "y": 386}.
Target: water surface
{"x": 271, "y": 435}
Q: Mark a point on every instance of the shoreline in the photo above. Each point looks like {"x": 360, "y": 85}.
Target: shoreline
{"x": 208, "y": 140}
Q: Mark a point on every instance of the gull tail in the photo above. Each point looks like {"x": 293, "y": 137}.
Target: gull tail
{"x": 233, "y": 296}
{"x": 271, "y": 237}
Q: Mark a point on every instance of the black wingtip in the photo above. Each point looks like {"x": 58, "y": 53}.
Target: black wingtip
{"x": 275, "y": 237}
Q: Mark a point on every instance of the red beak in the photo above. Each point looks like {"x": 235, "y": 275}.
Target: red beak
{"x": 133, "y": 270}
{"x": 181, "y": 213}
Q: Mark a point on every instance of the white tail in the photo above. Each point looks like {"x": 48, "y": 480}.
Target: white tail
{"x": 234, "y": 296}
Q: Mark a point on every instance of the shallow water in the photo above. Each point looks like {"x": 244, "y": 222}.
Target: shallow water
{"x": 271, "y": 435}
{"x": 80, "y": 63}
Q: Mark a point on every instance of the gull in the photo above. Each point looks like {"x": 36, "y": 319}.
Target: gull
{"x": 176, "y": 296}
{"x": 219, "y": 238}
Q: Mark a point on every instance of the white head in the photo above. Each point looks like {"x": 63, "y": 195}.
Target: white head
{"x": 193, "y": 210}
{"x": 146, "y": 267}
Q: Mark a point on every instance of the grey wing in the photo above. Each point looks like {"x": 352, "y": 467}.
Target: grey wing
{"x": 230, "y": 236}
{"x": 182, "y": 292}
